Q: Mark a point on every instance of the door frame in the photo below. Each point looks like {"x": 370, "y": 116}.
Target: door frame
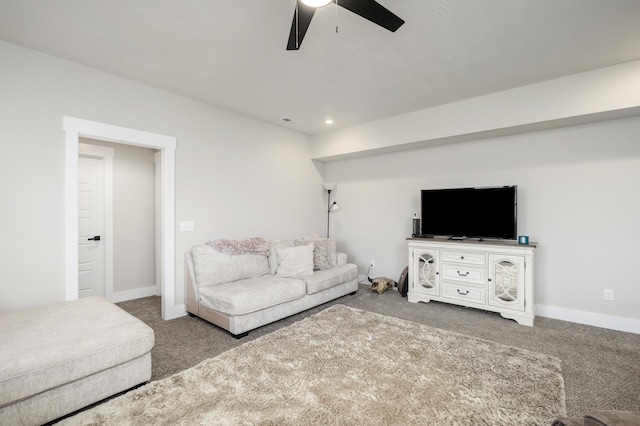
{"x": 105, "y": 154}
{"x": 74, "y": 129}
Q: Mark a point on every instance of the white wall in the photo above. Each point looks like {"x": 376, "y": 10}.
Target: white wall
{"x": 235, "y": 177}
{"x": 578, "y": 198}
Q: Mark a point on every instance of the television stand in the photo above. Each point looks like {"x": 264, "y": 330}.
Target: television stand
{"x": 490, "y": 275}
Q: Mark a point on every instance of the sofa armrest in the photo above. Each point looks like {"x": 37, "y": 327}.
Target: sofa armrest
{"x": 190, "y": 286}
{"x": 341, "y": 258}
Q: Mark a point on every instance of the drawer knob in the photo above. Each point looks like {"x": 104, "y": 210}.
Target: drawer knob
{"x": 461, "y": 257}
{"x": 461, "y": 293}
{"x": 463, "y": 275}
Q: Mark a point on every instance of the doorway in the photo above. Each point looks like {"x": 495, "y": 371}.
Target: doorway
{"x": 76, "y": 128}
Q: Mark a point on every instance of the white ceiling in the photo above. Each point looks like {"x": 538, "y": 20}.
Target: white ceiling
{"x": 231, "y": 53}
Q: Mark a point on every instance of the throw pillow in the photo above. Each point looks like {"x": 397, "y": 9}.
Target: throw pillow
{"x": 295, "y": 261}
{"x": 324, "y": 252}
{"x": 273, "y": 257}
{"x": 254, "y": 245}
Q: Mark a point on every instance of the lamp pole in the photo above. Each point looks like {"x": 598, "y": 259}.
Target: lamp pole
{"x": 328, "y": 209}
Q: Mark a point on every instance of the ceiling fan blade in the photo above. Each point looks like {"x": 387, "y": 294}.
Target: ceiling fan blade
{"x": 301, "y": 20}
{"x": 374, "y": 12}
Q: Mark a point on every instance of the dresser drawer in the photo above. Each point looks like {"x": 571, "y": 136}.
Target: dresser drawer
{"x": 462, "y": 292}
{"x": 470, "y": 258}
{"x": 464, "y": 273}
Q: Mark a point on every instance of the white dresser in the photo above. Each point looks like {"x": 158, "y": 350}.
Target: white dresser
{"x": 490, "y": 275}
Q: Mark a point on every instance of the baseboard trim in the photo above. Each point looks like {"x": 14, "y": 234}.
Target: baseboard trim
{"x": 137, "y": 293}
{"x": 628, "y": 325}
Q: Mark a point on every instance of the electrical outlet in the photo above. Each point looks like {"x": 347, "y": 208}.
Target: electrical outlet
{"x": 372, "y": 264}
{"x": 608, "y": 294}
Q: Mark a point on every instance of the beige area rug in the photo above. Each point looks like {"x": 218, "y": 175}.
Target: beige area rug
{"x": 345, "y": 366}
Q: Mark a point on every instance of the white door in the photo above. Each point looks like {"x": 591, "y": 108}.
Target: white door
{"x": 90, "y": 227}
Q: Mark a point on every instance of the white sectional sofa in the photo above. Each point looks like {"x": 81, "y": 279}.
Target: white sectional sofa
{"x": 243, "y": 284}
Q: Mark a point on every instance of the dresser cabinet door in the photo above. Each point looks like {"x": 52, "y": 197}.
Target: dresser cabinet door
{"x": 426, "y": 277}
{"x": 506, "y": 281}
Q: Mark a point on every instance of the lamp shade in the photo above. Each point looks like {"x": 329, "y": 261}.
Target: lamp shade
{"x": 329, "y": 186}
{"x": 334, "y": 207}
{"x": 316, "y": 3}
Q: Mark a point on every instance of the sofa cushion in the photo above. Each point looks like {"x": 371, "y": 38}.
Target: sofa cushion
{"x": 47, "y": 347}
{"x": 252, "y": 294}
{"x": 213, "y": 267}
{"x": 322, "y": 280}
{"x": 295, "y": 261}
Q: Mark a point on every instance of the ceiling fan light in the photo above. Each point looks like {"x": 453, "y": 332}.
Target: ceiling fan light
{"x": 316, "y": 3}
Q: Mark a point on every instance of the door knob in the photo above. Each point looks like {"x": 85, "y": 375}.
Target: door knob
{"x": 96, "y": 238}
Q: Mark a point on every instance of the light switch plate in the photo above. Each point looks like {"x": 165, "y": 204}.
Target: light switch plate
{"x": 186, "y": 226}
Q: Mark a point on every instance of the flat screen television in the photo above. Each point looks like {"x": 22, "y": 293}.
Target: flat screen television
{"x": 483, "y": 213}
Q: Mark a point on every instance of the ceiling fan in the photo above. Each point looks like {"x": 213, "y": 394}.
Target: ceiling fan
{"x": 368, "y": 9}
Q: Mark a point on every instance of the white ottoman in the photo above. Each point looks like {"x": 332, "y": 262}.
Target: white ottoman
{"x": 60, "y": 358}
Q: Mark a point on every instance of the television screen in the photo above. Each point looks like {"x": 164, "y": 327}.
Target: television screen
{"x": 489, "y": 212}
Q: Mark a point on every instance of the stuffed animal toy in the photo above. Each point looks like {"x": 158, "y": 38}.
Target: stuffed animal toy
{"x": 381, "y": 284}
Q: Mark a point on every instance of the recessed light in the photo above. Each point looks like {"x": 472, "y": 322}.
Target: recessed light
{"x": 316, "y": 3}
{"x": 329, "y": 121}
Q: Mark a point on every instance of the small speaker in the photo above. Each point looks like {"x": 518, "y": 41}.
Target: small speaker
{"x": 416, "y": 224}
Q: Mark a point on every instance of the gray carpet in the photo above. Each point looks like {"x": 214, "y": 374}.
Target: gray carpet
{"x": 601, "y": 368}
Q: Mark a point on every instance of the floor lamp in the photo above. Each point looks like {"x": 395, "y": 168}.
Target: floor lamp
{"x": 330, "y": 207}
